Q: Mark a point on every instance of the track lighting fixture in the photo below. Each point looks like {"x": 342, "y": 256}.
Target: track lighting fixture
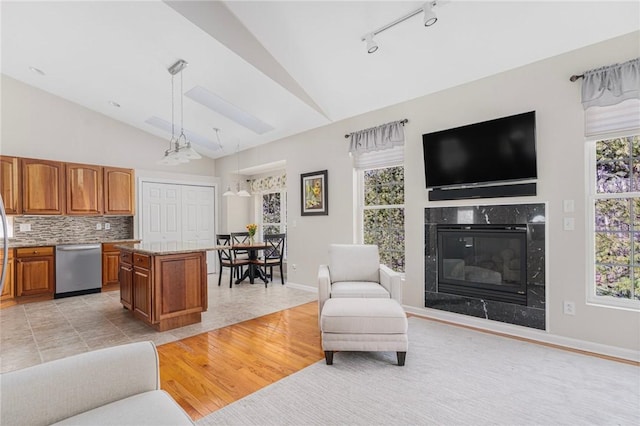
{"x": 372, "y": 46}
{"x": 429, "y": 19}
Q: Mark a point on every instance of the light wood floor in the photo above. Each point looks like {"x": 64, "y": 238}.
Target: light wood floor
{"x": 204, "y": 373}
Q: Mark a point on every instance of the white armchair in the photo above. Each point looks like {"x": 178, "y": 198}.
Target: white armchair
{"x": 354, "y": 270}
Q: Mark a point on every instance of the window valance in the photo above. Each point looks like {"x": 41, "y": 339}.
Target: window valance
{"x": 269, "y": 183}
{"x": 379, "y": 146}
{"x": 386, "y": 136}
{"x": 612, "y": 84}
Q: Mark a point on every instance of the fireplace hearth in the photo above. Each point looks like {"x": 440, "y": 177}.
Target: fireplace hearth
{"x": 487, "y": 261}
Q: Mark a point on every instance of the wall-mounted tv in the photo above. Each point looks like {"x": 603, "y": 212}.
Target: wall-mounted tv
{"x": 500, "y": 150}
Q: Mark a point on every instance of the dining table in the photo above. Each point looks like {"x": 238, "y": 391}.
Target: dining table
{"x": 253, "y": 270}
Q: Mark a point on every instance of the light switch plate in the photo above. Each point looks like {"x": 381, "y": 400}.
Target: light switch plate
{"x": 107, "y": 226}
{"x": 98, "y": 226}
{"x": 25, "y": 227}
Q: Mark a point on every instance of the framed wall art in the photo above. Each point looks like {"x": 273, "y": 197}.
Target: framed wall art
{"x": 314, "y": 197}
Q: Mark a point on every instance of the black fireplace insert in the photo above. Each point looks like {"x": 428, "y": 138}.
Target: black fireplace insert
{"x": 483, "y": 261}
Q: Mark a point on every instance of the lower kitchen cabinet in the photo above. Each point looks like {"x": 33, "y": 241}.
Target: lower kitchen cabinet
{"x": 142, "y": 286}
{"x": 125, "y": 275}
{"x": 8, "y": 292}
{"x": 110, "y": 260}
{"x": 35, "y": 273}
{"x": 165, "y": 291}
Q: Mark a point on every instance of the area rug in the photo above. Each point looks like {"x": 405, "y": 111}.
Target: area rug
{"x": 452, "y": 376}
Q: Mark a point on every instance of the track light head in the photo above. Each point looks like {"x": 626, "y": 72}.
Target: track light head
{"x": 430, "y": 17}
{"x": 372, "y": 46}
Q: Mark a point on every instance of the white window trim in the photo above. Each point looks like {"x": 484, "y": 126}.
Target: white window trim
{"x": 591, "y": 196}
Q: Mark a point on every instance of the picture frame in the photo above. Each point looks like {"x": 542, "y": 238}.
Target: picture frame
{"x": 314, "y": 194}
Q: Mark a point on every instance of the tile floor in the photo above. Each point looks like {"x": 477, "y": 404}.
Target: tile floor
{"x": 38, "y": 332}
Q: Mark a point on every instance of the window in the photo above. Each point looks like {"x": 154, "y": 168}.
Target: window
{"x": 382, "y": 213}
{"x": 615, "y": 201}
{"x": 273, "y": 213}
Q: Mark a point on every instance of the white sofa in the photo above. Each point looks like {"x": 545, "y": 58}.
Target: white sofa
{"x": 354, "y": 271}
{"x": 114, "y": 386}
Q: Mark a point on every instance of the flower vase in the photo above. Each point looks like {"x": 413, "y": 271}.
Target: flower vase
{"x": 252, "y": 239}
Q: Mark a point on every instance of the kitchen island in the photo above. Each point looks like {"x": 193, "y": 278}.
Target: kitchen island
{"x": 164, "y": 284}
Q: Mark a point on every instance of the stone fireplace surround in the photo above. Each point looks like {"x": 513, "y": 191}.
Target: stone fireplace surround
{"x": 534, "y": 217}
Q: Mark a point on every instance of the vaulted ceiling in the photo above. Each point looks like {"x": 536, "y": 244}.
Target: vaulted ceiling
{"x": 269, "y": 69}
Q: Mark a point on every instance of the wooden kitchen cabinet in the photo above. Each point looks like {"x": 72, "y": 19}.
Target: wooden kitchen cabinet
{"x": 119, "y": 191}
{"x": 125, "y": 277}
{"x": 169, "y": 290}
{"x": 42, "y": 186}
{"x": 8, "y": 292}
{"x": 10, "y": 184}
{"x": 83, "y": 189}
{"x": 142, "y": 288}
{"x": 35, "y": 273}
{"x": 110, "y": 260}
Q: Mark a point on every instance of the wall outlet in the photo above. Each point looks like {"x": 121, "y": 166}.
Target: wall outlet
{"x": 25, "y": 227}
{"x": 569, "y": 308}
{"x": 107, "y": 226}
{"x": 293, "y": 266}
{"x": 98, "y": 226}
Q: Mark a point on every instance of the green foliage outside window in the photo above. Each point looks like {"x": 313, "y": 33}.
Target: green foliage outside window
{"x": 617, "y": 220}
{"x": 383, "y": 216}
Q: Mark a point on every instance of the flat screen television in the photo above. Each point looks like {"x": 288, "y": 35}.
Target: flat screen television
{"x": 500, "y": 150}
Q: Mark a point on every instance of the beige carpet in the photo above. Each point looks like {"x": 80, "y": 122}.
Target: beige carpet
{"x": 453, "y": 376}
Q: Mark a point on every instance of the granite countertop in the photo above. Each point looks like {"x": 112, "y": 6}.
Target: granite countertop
{"x": 167, "y": 247}
{"x": 58, "y": 242}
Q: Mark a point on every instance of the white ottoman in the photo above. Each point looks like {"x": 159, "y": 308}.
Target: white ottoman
{"x": 358, "y": 324}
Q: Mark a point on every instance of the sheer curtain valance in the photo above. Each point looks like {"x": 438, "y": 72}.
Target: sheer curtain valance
{"x": 611, "y": 99}
{"x": 379, "y": 146}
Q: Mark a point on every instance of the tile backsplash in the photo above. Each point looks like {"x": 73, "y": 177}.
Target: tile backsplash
{"x": 70, "y": 229}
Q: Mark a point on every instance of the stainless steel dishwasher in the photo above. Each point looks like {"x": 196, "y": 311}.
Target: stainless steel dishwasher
{"x": 78, "y": 269}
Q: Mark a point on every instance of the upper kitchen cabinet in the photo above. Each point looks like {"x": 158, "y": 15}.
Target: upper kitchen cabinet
{"x": 84, "y": 189}
{"x": 42, "y": 186}
{"x": 119, "y": 191}
{"x": 10, "y": 184}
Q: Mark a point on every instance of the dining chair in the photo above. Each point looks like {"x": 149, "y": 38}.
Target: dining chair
{"x": 273, "y": 254}
{"x": 227, "y": 258}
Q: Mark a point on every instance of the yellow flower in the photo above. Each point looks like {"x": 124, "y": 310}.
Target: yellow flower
{"x": 251, "y": 228}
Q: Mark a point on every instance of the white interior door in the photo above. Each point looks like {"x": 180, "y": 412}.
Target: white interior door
{"x": 175, "y": 212}
{"x": 198, "y": 219}
{"x": 161, "y": 212}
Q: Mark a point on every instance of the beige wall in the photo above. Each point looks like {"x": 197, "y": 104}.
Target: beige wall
{"x": 544, "y": 87}
{"x": 38, "y": 124}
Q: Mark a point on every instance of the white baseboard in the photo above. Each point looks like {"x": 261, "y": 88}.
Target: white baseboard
{"x": 526, "y": 333}
{"x": 301, "y": 287}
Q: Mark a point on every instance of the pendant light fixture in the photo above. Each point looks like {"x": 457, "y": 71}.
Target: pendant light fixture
{"x": 180, "y": 150}
{"x": 239, "y": 192}
{"x": 228, "y": 192}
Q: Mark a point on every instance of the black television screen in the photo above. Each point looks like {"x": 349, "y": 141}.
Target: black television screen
{"x": 498, "y": 150}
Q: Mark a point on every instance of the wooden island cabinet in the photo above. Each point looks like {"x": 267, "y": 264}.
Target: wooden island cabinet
{"x": 164, "y": 284}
